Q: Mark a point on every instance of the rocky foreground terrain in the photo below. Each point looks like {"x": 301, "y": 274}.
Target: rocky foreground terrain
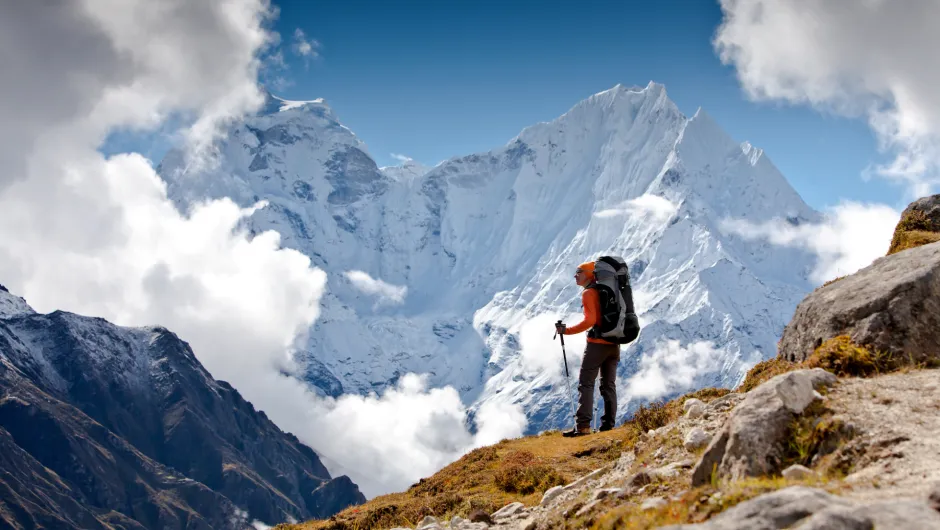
{"x": 840, "y": 431}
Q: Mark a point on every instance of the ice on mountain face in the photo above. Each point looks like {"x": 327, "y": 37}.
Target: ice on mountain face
{"x": 484, "y": 246}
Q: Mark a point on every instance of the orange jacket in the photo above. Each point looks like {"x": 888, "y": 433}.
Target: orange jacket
{"x": 592, "y": 309}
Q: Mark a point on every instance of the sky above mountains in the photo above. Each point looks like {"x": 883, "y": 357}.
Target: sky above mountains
{"x": 433, "y": 80}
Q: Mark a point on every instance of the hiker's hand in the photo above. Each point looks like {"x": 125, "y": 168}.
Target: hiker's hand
{"x": 560, "y": 328}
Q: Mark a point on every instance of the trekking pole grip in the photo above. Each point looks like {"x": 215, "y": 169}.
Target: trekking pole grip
{"x": 560, "y": 334}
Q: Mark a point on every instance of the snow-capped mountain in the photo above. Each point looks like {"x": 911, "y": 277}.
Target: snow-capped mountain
{"x": 443, "y": 271}
{"x": 103, "y": 427}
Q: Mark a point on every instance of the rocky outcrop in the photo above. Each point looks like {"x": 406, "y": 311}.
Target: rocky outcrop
{"x": 891, "y": 306}
{"x": 814, "y": 509}
{"x": 103, "y": 425}
{"x": 919, "y": 225}
{"x": 751, "y": 441}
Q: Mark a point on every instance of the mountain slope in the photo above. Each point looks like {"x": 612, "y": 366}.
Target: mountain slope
{"x": 104, "y": 426}
{"x": 466, "y": 266}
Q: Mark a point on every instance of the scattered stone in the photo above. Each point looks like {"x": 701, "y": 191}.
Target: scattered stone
{"x": 697, "y": 410}
{"x": 480, "y": 516}
{"x": 601, "y": 493}
{"x": 550, "y": 494}
{"x": 587, "y": 508}
{"x": 593, "y": 474}
{"x": 640, "y": 479}
{"x": 797, "y": 472}
{"x": 667, "y": 471}
{"x": 653, "y": 503}
{"x": 751, "y": 441}
{"x": 691, "y": 402}
{"x": 696, "y": 438}
{"x": 428, "y": 523}
{"x": 508, "y": 511}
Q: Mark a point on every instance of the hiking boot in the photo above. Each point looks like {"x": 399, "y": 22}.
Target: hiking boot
{"x": 580, "y": 431}
{"x": 606, "y": 427}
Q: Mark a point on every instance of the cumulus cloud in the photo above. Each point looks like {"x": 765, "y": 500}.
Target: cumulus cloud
{"x": 672, "y": 368}
{"x": 386, "y": 443}
{"x": 851, "y": 237}
{"x": 650, "y": 206}
{"x": 97, "y": 235}
{"x": 304, "y": 47}
{"x": 873, "y": 59}
{"x": 386, "y": 292}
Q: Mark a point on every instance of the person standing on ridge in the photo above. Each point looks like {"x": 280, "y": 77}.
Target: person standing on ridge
{"x": 599, "y": 355}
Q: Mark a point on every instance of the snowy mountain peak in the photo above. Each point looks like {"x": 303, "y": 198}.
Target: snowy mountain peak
{"x": 12, "y": 305}
{"x": 442, "y": 271}
{"x": 408, "y": 170}
{"x": 274, "y": 104}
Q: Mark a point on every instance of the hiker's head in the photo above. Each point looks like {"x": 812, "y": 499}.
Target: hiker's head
{"x": 584, "y": 274}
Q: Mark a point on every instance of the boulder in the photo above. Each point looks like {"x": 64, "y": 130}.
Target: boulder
{"x": 751, "y": 442}
{"x": 814, "y": 509}
{"x": 891, "y": 306}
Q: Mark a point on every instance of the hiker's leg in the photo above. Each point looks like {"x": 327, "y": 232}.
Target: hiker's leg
{"x": 593, "y": 356}
{"x": 609, "y": 384}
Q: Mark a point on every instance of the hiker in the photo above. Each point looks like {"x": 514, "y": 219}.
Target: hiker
{"x": 599, "y": 355}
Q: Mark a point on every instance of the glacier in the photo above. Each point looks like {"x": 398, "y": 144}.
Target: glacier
{"x": 458, "y": 271}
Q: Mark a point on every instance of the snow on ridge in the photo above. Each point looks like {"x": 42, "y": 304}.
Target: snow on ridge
{"x": 12, "y": 305}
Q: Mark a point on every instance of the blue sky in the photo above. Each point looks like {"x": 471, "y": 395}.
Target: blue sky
{"x": 432, "y": 80}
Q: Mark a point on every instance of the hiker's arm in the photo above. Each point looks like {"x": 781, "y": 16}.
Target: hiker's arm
{"x": 590, "y": 301}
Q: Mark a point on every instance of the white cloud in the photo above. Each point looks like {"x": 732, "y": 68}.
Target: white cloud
{"x": 401, "y": 158}
{"x": 375, "y": 287}
{"x": 655, "y": 207}
{"x": 672, "y": 368}
{"x": 873, "y": 58}
{"x": 540, "y": 353}
{"x": 98, "y": 236}
{"x": 852, "y": 236}
{"x": 304, "y": 47}
{"x": 386, "y": 443}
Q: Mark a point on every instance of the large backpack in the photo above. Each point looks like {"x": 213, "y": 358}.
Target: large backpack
{"x": 618, "y": 321}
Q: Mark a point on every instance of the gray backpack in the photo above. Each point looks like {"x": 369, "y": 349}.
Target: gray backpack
{"x": 618, "y": 321}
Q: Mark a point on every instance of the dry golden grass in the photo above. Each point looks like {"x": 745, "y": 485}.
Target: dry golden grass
{"x": 913, "y": 230}
{"x": 765, "y": 370}
{"x": 513, "y": 470}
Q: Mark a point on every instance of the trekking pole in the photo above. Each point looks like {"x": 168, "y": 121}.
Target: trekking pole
{"x": 567, "y": 382}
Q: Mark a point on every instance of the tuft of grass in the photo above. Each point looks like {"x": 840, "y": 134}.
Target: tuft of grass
{"x": 523, "y": 472}
{"x": 843, "y": 357}
{"x": 657, "y": 414}
{"x": 913, "y": 230}
{"x": 765, "y": 370}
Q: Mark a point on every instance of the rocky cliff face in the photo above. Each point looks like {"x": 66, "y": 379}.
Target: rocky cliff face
{"x": 111, "y": 427}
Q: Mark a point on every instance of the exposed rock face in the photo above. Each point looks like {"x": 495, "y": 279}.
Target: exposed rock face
{"x": 103, "y": 425}
{"x": 814, "y": 509}
{"x": 750, "y": 442}
{"x": 892, "y": 306}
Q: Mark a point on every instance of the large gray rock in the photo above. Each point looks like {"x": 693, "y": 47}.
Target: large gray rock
{"x": 779, "y": 509}
{"x": 893, "y": 305}
{"x": 803, "y": 508}
{"x": 750, "y": 443}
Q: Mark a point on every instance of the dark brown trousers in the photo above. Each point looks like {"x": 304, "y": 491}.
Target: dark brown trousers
{"x": 601, "y": 358}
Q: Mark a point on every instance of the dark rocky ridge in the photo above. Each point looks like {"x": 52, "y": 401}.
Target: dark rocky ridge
{"x": 110, "y": 427}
